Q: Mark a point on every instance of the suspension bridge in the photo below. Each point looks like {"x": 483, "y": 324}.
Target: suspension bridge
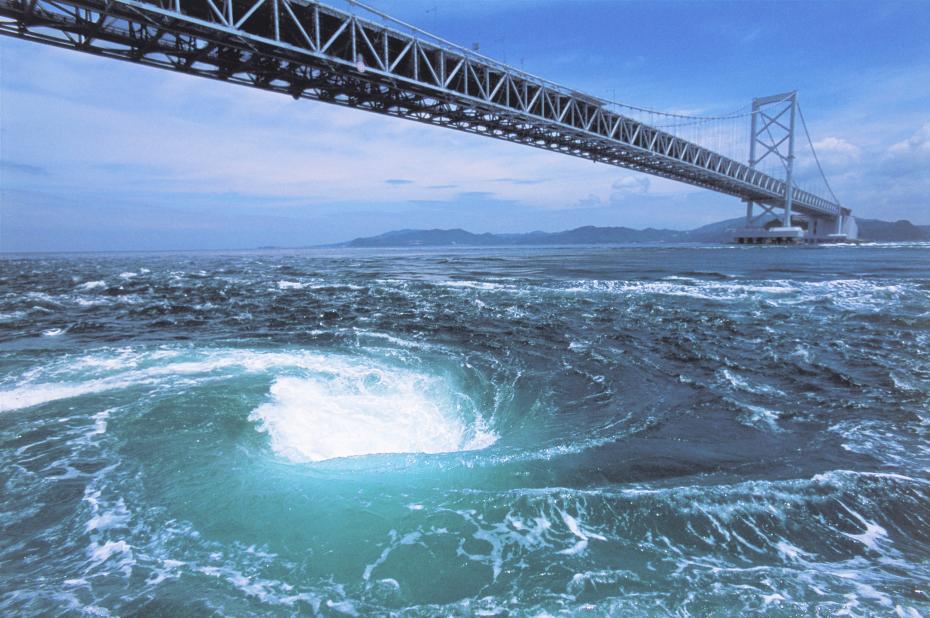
{"x": 345, "y": 53}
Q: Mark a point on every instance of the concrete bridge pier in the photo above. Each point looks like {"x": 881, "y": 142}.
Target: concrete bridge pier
{"x": 803, "y": 228}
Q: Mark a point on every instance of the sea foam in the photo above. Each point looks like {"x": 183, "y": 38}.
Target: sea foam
{"x": 358, "y": 409}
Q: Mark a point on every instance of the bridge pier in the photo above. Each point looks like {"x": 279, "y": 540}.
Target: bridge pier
{"x": 804, "y": 229}
{"x": 781, "y": 235}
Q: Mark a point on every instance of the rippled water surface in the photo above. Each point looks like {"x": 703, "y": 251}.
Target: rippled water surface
{"x": 659, "y": 431}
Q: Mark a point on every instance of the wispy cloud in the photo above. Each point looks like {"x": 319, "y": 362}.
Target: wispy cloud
{"x": 521, "y": 181}
{"x": 22, "y": 168}
{"x": 629, "y": 185}
{"x": 635, "y": 62}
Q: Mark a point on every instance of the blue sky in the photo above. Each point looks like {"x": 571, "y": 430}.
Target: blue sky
{"x": 97, "y": 154}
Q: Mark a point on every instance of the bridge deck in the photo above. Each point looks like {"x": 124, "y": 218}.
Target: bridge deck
{"x": 311, "y": 50}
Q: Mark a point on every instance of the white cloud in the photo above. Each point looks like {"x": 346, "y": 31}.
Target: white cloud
{"x": 916, "y": 145}
{"x": 887, "y": 181}
{"x": 837, "y": 146}
{"x": 629, "y": 185}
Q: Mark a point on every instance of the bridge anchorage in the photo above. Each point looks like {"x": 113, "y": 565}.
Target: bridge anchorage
{"x": 358, "y": 57}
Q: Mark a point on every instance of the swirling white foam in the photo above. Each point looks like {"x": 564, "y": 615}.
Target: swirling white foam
{"x": 351, "y": 408}
{"x": 320, "y": 405}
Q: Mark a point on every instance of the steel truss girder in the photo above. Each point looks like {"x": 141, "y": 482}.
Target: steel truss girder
{"x": 307, "y": 49}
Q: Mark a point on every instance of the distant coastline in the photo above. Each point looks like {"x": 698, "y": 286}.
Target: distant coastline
{"x": 873, "y": 230}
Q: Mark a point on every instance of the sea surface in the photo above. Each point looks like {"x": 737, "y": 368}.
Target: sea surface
{"x": 705, "y": 430}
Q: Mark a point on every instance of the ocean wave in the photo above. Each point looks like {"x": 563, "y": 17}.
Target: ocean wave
{"x": 92, "y": 285}
{"x": 852, "y": 294}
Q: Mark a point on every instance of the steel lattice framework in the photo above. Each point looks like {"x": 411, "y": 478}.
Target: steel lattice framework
{"x": 312, "y": 50}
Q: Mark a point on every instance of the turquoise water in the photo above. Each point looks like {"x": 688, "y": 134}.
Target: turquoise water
{"x": 585, "y": 431}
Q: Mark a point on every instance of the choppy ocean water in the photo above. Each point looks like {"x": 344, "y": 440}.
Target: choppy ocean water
{"x": 584, "y": 431}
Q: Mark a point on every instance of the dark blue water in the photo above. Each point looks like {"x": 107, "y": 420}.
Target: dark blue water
{"x": 595, "y": 431}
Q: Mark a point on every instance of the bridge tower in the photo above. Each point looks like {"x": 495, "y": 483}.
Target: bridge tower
{"x": 774, "y": 120}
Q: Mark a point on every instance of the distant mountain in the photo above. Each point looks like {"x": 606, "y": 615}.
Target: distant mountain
{"x": 721, "y": 232}
{"x": 432, "y": 238}
{"x": 587, "y": 235}
{"x": 873, "y": 229}
{"x": 582, "y": 235}
{"x": 591, "y": 235}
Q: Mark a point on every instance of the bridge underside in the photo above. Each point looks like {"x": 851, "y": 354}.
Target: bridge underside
{"x": 307, "y": 50}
